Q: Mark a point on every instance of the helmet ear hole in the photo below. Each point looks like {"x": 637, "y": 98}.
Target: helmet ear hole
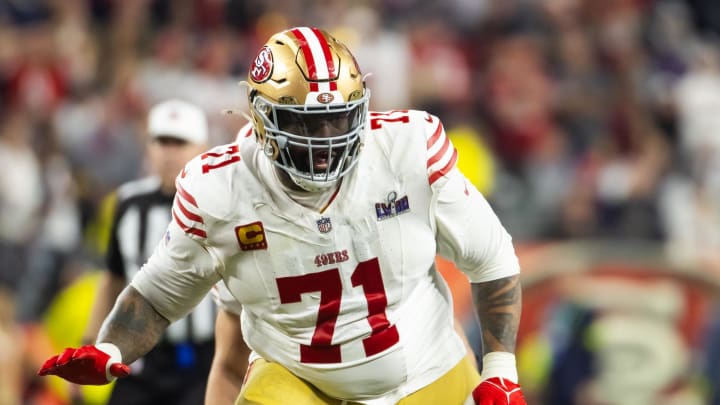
{"x": 271, "y": 149}
{"x": 355, "y": 95}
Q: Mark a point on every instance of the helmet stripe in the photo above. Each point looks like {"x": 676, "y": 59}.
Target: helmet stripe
{"x": 326, "y": 53}
{"x": 307, "y": 53}
{"x": 316, "y": 52}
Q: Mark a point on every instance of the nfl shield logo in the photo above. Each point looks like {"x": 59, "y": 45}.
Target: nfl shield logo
{"x": 324, "y": 225}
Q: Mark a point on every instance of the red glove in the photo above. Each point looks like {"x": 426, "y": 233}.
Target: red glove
{"x": 498, "y": 391}
{"x": 87, "y": 365}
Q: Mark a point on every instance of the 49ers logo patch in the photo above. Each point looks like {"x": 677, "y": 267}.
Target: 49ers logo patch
{"x": 251, "y": 236}
{"x": 262, "y": 67}
{"x": 325, "y": 98}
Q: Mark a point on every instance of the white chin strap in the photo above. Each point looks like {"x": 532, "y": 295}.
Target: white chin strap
{"x": 311, "y": 186}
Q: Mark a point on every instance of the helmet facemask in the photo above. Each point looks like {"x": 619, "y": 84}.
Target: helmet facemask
{"x": 314, "y": 144}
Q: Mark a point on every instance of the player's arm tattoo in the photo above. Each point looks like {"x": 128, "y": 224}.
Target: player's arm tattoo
{"x": 498, "y": 305}
{"x": 133, "y": 325}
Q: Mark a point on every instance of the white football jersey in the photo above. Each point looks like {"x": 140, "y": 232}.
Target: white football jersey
{"x": 348, "y": 298}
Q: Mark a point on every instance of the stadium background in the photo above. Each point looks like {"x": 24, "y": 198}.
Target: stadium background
{"x": 591, "y": 126}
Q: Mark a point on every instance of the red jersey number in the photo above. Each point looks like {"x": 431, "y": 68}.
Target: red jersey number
{"x": 377, "y": 118}
{"x": 214, "y": 160}
{"x": 366, "y": 275}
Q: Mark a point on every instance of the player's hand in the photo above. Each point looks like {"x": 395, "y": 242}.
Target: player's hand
{"x": 87, "y": 365}
{"x": 496, "y": 391}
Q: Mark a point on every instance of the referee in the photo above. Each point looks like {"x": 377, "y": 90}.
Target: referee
{"x": 175, "y": 371}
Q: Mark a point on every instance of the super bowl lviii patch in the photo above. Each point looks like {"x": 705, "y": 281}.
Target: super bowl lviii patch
{"x": 392, "y": 206}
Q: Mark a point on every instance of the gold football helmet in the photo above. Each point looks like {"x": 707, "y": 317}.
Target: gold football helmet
{"x": 308, "y": 104}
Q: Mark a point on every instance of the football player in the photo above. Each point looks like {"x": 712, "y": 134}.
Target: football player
{"x": 323, "y": 221}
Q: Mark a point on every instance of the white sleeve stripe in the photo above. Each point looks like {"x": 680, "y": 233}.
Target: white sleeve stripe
{"x": 442, "y": 161}
{"x": 438, "y": 151}
{"x": 437, "y": 141}
{"x": 187, "y": 212}
{"x": 188, "y": 229}
{"x": 184, "y": 194}
{"x": 435, "y": 137}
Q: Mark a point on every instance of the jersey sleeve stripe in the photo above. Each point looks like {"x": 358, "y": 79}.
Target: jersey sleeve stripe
{"x": 187, "y": 229}
{"x": 439, "y": 132}
{"x": 188, "y": 214}
{"x": 185, "y": 195}
{"x": 449, "y": 166}
{"x": 437, "y": 154}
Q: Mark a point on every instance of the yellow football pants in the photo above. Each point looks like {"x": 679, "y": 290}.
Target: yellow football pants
{"x": 272, "y": 384}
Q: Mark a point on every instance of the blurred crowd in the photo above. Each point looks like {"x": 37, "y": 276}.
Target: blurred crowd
{"x": 586, "y": 119}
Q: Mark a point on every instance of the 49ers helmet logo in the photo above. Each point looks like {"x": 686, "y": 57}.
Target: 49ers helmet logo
{"x": 261, "y": 69}
{"x": 325, "y": 98}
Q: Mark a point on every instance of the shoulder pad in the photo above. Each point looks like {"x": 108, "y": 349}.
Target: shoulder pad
{"x": 406, "y": 135}
{"x": 204, "y": 186}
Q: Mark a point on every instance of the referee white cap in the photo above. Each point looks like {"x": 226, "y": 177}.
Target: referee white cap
{"x": 178, "y": 119}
